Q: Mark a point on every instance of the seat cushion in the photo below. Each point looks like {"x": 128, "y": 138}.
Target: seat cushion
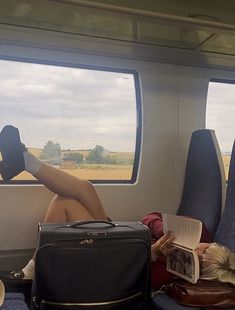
{"x": 163, "y": 302}
{"x": 204, "y": 183}
{"x": 14, "y": 301}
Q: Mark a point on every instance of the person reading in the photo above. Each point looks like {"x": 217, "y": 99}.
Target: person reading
{"x": 76, "y": 199}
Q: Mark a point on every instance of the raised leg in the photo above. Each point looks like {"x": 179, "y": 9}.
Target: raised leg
{"x": 16, "y": 158}
{"x": 63, "y": 209}
{"x": 68, "y": 186}
{"x": 76, "y": 199}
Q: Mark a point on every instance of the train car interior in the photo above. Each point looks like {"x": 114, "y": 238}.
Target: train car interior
{"x": 134, "y": 96}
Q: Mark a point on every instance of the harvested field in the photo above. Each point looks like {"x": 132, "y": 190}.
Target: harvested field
{"x": 93, "y": 172}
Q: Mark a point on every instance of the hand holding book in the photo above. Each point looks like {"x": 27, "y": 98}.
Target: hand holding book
{"x": 162, "y": 247}
{"x": 183, "y": 261}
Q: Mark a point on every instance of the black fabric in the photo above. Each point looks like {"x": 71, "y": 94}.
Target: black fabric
{"x": 105, "y": 265}
{"x": 12, "y": 153}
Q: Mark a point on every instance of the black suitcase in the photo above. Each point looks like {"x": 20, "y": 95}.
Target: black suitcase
{"x": 93, "y": 265}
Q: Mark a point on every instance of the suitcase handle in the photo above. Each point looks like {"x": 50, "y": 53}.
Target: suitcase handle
{"x": 80, "y": 223}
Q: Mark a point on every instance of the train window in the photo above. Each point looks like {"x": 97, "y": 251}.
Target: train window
{"x": 79, "y": 119}
{"x": 220, "y": 116}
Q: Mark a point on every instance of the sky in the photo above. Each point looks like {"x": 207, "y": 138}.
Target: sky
{"x": 220, "y": 114}
{"x": 76, "y": 108}
{"x": 80, "y": 108}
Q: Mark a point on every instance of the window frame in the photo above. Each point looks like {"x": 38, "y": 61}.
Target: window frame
{"x": 222, "y": 80}
{"x": 138, "y": 115}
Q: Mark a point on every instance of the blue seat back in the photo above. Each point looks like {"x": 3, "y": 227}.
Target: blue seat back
{"x": 204, "y": 183}
{"x": 225, "y": 233}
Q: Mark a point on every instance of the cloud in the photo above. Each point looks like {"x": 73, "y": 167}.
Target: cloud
{"x": 220, "y": 114}
{"x": 77, "y": 108}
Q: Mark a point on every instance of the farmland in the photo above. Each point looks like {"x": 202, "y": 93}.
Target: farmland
{"x": 94, "y": 171}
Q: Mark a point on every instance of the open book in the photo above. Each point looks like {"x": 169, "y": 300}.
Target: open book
{"x": 184, "y": 261}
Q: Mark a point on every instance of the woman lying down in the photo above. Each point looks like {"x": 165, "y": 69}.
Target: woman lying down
{"x": 76, "y": 199}
{"x": 216, "y": 261}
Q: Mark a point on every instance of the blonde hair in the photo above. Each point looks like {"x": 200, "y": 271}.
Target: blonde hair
{"x": 218, "y": 263}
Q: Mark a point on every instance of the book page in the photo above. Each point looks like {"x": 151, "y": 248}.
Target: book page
{"x": 187, "y": 231}
{"x": 184, "y": 264}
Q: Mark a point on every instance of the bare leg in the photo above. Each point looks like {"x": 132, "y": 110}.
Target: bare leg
{"x": 63, "y": 209}
{"x": 66, "y": 185}
{"x": 16, "y": 158}
{"x": 60, "y": 210}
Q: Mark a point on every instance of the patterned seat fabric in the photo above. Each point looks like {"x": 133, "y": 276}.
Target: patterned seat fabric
{"x": 225, "y": 233}
{"x": 204, "y": 183}
{"x": 203, "y": 193}
{"x": 14, "y": 301}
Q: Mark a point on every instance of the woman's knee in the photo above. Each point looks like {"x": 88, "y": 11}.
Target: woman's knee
{"x": 56, "y": 210}
{"x": 68, "y": 209}
{"x": 73, "y": 209}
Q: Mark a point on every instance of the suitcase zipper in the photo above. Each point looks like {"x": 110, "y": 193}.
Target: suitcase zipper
{"x": 85, "y": 304}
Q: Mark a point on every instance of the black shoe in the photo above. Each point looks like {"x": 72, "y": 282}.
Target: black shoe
{"x": 12, "y": 153}
{"x": 18, "y": 275}
{"x": 14, "y": 276}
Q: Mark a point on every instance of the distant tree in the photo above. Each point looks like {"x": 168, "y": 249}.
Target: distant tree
{"x": 111, "y": 160}
{"x": 78, "y": 157}
{"x": 96, "y": 155}
{"x": 50, "y": 150}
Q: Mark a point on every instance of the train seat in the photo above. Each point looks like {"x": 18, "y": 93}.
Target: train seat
{"x": 225, "y": 233}
{"x": 14, "y": 301}
{"x": 202, "y": 197}
{"x": 204, "y": 184}
{"x": 163, "y": 302}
